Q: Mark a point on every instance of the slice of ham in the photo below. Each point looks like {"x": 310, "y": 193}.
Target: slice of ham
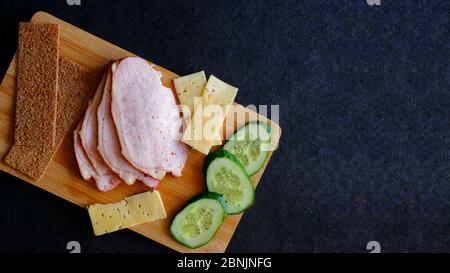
{"x": 89, "y": 140}
{"x": 108, "y": 141}
{"x": 103, "y": 182}
{"x": 147, "y": 119}
{"x": 86, "y": 169}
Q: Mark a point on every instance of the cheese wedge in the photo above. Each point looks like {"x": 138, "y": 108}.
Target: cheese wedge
{"x": 134, "y": 210}
{"x": 204, "y": 129}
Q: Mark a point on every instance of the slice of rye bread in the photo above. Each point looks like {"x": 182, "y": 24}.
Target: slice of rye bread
{"x": 75, "y": 87}
{"x": 30, "y": 160}
{"x": 37, "y": 80}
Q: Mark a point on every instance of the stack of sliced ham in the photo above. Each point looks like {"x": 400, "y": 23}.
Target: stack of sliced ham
{"x": 131, "y": 130}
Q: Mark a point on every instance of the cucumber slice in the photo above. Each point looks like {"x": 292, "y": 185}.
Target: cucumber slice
{"x": 197, "y": 223}
{"x": 225, "y": 175}
{"x": 251, "y": 145}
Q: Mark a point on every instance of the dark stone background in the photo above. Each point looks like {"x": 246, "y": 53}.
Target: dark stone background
{"x": 364, "y": 94}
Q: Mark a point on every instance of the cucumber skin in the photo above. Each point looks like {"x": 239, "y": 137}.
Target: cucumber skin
{"x": 210, "y": 195}
{"x": 264, "y": 124}
{"x": 259, "y": 122}
{"x": 220, "y": 153}
{"x": 206, "y": 195}
{"x": 269, "y": 130}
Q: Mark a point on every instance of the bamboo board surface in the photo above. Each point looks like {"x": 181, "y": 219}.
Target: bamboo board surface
{"x": 62, "y": 177}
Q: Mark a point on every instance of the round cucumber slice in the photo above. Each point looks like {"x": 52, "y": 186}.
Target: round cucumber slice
{"x": 251, "y": 145}
{"x": 197, "y": 223}
{"x": 225, "y": 175}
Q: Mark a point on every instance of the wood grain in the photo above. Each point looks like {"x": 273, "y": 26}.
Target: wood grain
{"x": 62, "y": 177}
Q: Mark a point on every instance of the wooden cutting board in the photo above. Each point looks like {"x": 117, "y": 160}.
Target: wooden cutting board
{"x": 62, "y": 177}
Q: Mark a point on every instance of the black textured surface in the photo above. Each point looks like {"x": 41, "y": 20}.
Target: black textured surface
{"x": 364, "y": 95}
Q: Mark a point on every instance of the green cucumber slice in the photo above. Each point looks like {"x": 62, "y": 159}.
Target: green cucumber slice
{"x": 251, "y": 145}
{"x": 225, "y": 175}
{"x": 197, "y": 223}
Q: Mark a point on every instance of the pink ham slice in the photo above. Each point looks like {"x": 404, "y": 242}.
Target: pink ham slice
{"x": 109, "y": 145}
{"x": 86, "y": 169}
{"x": 103, "y": 182}
{"x": 147, "y": 119}
{"x": 89, "y": 140}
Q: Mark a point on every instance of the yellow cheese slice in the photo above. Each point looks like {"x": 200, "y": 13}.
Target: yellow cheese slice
{"x": 203, "y": 131}
{"x": 134, "y": 210}
{"x": 107, "y": 218}
{"x": 188, "y": 88}
{"x": 145, "y": 207}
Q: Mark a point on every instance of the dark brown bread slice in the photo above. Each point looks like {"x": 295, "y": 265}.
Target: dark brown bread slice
{"x": 37, "y": 77}
{"x": 30, "y": 160}
{"x": 75, "y": 87}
